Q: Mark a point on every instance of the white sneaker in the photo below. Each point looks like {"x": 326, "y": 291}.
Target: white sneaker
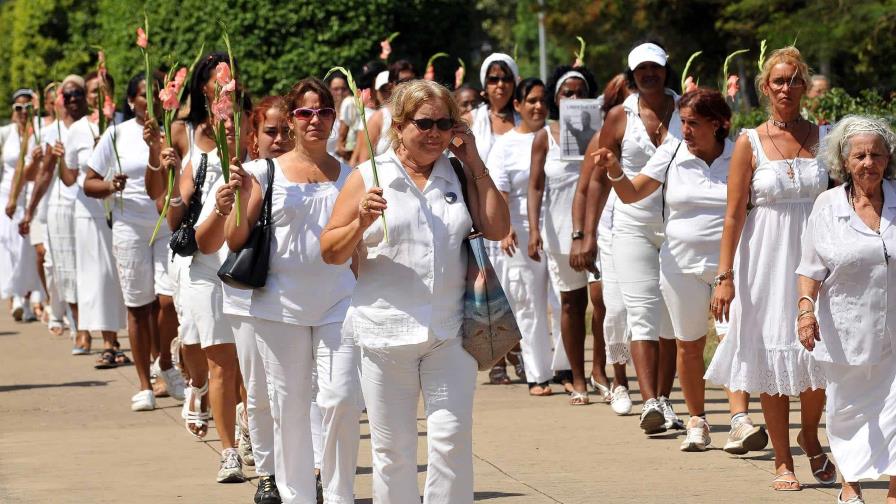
{"x": 231, "y": 470}
{"x": 244, "y": 442}
{"x": 621, "y": 402}
{"x": 28, "y": 313}
{"x": 698, "y": 436}
{"x": 174, "y": 382}
{"x": 143, "y": 401}
{"x": 672, "y": 420}
{"x": 652, "y": 419}
{"x": 18, "y": 308}
{"x": 745, "y": 437}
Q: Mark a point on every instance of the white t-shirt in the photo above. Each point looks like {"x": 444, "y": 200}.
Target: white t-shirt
{"x": 348, "y": 114}
{"x": 301, "y": 289}
{"x": 509, "y": 162}
{"x": 696, "y": 197}
{"x": 139, "y": 209}
{"x": 59, "y": 193}
{"x": 78, "y": 149}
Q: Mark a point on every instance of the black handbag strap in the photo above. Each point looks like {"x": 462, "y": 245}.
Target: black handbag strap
{"x": 268, "y": 195}
{"x": 462, "y": 178}
{"x": 195, "y": 207}
{"x": 666, "y": 179}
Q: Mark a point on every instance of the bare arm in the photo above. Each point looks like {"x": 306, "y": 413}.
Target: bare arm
{"x": 374, "y": 125}
{"x": 628, "y": 190}
{"x": 251, "y": 199}
{"x": 807, "y": 325}
{"x": 583, "y": 253}
{"x": 210, "y": 233}
{"x": 156, "y": 181}
{"x": 350, "y": 218}
{"x": 536, "y": 192}
{"x": 488, "y": 208}
{"x": 95, "y": 186}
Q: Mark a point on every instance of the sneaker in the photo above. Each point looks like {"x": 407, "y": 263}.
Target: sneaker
{"x": 652, "y": 419}
{"x": 267, "y": 492}
{"x": 602, "y": 390}
{"x": 621, "y": 402}
{"x": 698, "y": 436}
{"x": 18, "y": 309}
{"x": 174, "y": 382}
{"x": 231, "y": 468}
{"x": 745, "y": 437}
{"x": 28, "y": 313}
{"x": 244, "y": 445}
{"x": 672, "y": 420}
{"x": 143, "y": 401}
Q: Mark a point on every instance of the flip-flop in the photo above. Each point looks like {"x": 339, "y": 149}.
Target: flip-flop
{"x": 579, "y": 398}
{"x": 106, "y": 360}
{"x": 781, "y": 478}
{"x": 824, "y": 467}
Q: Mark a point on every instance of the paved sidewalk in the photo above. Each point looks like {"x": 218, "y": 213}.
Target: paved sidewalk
{"x": 68, "y": 436}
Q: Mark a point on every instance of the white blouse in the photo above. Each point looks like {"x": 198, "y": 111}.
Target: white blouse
{"x": 509, "y": 163}
{"x": 136, "y": 208}
{"x": 82, "y": 136}
{"x": 856, "y": 315}
{"x": 414, "y": 284}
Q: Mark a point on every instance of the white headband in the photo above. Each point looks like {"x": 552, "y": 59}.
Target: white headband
{"x": 572, "y": 74}
{"x": 495, "y": 57}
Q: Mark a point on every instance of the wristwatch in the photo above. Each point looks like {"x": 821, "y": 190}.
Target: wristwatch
{"x": 578, "y": 235}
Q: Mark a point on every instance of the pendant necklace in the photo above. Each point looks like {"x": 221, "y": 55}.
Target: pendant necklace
{"x": 667, "y": 116}
{"x": 789, "y": 162}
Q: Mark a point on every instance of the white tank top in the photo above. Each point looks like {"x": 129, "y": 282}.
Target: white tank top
{"x": 561, "y": 178}
{"x": 384, "y": 142}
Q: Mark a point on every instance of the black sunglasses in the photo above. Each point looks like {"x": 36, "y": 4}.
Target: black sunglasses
{"x": 426, "y": 124}
{"x": 18, "y": 107}
{"x": 494, "y": 79}
{"x": 73, "y": 94}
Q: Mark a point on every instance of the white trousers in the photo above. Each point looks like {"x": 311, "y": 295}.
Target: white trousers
{"x": 61, "y": 240}
{"x": 616, "y": 333}
{"x": 57, "y": 304}
{"x": 392, "y": 379}
{"x": 287, "y": 354}
{"x": 636, "y": 251}
{"x": 100, "y": 303}
{"x": 559, "y": 361}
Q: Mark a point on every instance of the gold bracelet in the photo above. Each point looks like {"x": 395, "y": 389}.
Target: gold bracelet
{"x": 804, "y": 315}
{"x": 481, "y": 176}
{"x": 219, "y": 212}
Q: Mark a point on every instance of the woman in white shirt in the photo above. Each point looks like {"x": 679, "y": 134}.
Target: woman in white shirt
{"x": 297, "y": 326}
{"x": 692, "y": 176}
{"x": 847, "y": 310}
{"x": 407, "y": 307}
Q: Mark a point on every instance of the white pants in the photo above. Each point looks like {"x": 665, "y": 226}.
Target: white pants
{"x": 143, "y": 268}
{"x": 636, "y": 250}
{"x": 288, "y": 353}
{"x": 57, "y": 304}
{"x": 100, "y": 303}
{"x": 392, "y": 379}
{"x": 61, "y": 240}
{"x": 688, "y": 296}
{"x": 616, "y": 334}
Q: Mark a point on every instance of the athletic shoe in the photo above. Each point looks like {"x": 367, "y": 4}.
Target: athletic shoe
{"x": 672, "y": 420}
{"x": 18, "y": 309}
{"x": 620, "y": 401}
{"x": 745, "y": 437}
{"x": 174, "y": 382}
{"x": 231, "y": 468}
{"x": 698, "y": 436}
{"x": 143, "y": 401}
{"x": 28, "y": 313}
{"x": 244, "y": 445}
{"x": 267, "y": 492}
{"x": 652, "y": 419}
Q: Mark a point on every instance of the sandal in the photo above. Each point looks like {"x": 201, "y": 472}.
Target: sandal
{"x": 602, "y": 390}
{"x": 498, "y": 376}
{"x": 106, "y": 360}
{"x": 824, "y": 467}
{"x": 579, "y": 398}
{"x": 789, "y": 478}
{"x": 564, "y": 378}
{"x": 56, "y": 327}
{"x": 518, "y": 366}
{"x": 195, "y": 420}
{"x": 121, "y": 359}
{"x": 545, "y": 389}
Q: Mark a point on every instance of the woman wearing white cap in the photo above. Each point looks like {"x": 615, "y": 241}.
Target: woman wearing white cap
{"x": 633, "y": 131}
{"x": 554, "y": 180}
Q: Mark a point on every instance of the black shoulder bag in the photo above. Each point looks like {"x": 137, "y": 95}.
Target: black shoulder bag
{"x": 666, "y": 183}
{"x": 248, "y": 268}
{"x": 183, "y": 239}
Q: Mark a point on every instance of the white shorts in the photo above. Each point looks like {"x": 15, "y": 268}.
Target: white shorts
{"x": 202, "y": 301}
{"x": 142, "y": 268}
{"x": 179, "y": 272}
{"x": 562, "y": 275}
{"x": 687, "y": 297}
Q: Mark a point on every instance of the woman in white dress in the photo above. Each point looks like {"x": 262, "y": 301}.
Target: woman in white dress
{"x": 846, "y": 308}
{"x": 774, "y": 171}
{"x": 552, "y": 185}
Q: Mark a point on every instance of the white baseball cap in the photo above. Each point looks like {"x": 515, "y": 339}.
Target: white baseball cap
{"x": 647, "y": 52}
{"x": 381, "y": 80}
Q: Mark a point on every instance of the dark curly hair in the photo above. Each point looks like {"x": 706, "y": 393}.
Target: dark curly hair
{"x": 590, "y": 84}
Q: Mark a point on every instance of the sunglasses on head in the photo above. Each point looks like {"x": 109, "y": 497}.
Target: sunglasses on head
{"x": 426, "y": 124}
{"x": 19, "y": 107}
{"x": 73, "y": 94}
{"x": 306, "y": 114}
{"x": 494, "y": 79}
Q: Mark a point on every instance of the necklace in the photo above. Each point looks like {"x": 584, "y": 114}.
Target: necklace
{"x": 786, "y": 124}
{"x": 666, "y": 117}
{"x": 791, "y": 162}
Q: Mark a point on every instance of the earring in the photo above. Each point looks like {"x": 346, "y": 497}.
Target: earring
{"x": 292, "y": 134}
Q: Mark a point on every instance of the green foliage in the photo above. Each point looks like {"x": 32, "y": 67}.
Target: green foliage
{"x": 835, "y": 104}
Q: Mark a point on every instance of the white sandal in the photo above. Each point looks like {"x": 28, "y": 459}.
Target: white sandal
{"x": 192, "y": 411}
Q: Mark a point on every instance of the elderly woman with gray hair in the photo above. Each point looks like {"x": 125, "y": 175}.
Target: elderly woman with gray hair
{"x": 846, "y": 317}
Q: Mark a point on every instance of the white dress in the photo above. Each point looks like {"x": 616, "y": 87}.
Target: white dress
{"x": 17, "y": 258}
{"x": 761, "y": 353}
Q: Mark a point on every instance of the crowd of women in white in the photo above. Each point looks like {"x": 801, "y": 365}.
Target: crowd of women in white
{"x": 665, "y": 222}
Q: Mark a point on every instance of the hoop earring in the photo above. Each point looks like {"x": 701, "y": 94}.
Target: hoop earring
{"x": 292, "y": 134}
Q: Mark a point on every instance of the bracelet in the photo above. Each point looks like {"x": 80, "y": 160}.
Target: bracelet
{"x": 804, "y": 315}
{"x": 807, "y": 298}
{"x": 805, "y": 312}
{"x": 175, "y": 202}
{"x": 153, "y": 168}
{"x": 724, "y": 276}
{"x": 219, "y": 212}
{"x": 615, "y": 179}
{"x": 481, "y": 175}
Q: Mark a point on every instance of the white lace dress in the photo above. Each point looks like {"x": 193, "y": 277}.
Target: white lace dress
{"x": 761, "y": 353}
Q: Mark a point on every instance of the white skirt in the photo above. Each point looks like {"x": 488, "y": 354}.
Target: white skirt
{"x": 861, "y": 418}
{"x": 61, "y": 240}
{"x": 100, "y": 305}
{"x": 18, "y": 260}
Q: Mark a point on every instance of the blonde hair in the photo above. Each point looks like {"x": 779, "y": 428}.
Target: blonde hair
{"x": 408, "y": 97}
{"x": 836, "y": 146}
{"x": 789, "y": 55}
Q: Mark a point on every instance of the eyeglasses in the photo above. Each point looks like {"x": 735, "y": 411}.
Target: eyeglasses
{"x": 793, "y": 82}
{"x": 19, "y": 107}
{"x": 305, "y": 114}
{"x": 495, "y": 79}
{"x": 74, "y": 94}
{"x": 426, "y": 124}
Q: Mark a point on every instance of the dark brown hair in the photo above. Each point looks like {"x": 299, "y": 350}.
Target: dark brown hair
{"x": 309, "y": 84}
{"x": 615, "y": 92}
{"x": 709, "y": 104}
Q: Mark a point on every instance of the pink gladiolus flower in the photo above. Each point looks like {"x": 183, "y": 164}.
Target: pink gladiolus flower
{"x": 385, "y": 49}
{"x": 222, "y": 108}
{"x": 733, "y": 86}
{"x": 430, "y": 73}
{"x": 142, "y": 41}
{"x": 222, "y": 73}
{"x": 168, "y": 97}
{"x": 458, "y": 77}
{"x": 689, "y": 84}
{"x": 108, "y": 107}
{"x": 230, "y": 87}
{"x": 179, "y": 77}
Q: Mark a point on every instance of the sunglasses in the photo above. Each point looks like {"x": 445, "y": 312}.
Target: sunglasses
{"x": 494, "y": 79}
{"x": 18, "y": 107}
{"x": 306, "y": 114}
{"x": 73, "y": 94}
{"x": 793, "y": 82}
{"x": 426, "y": 124}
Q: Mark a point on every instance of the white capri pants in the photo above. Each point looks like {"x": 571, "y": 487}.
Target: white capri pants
{"x": 687, "y": 296}
{"x": 636, "y": 250}
{"x": 616, "y": 334}
{"x": 562, "y": 275}
{"x": 288, "y": 353}
{"x": 61, "y": 239}
{"x": 392, "y": 379}
{"x": 143, "y": 268}
{"x": 100, "y": 305}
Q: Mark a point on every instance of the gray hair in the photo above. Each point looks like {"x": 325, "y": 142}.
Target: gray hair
{"x": 836, "y": 146}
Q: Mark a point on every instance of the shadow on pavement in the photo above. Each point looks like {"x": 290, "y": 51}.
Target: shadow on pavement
{"x": 477, "y": 496}
{"x": 31, "y": 386}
